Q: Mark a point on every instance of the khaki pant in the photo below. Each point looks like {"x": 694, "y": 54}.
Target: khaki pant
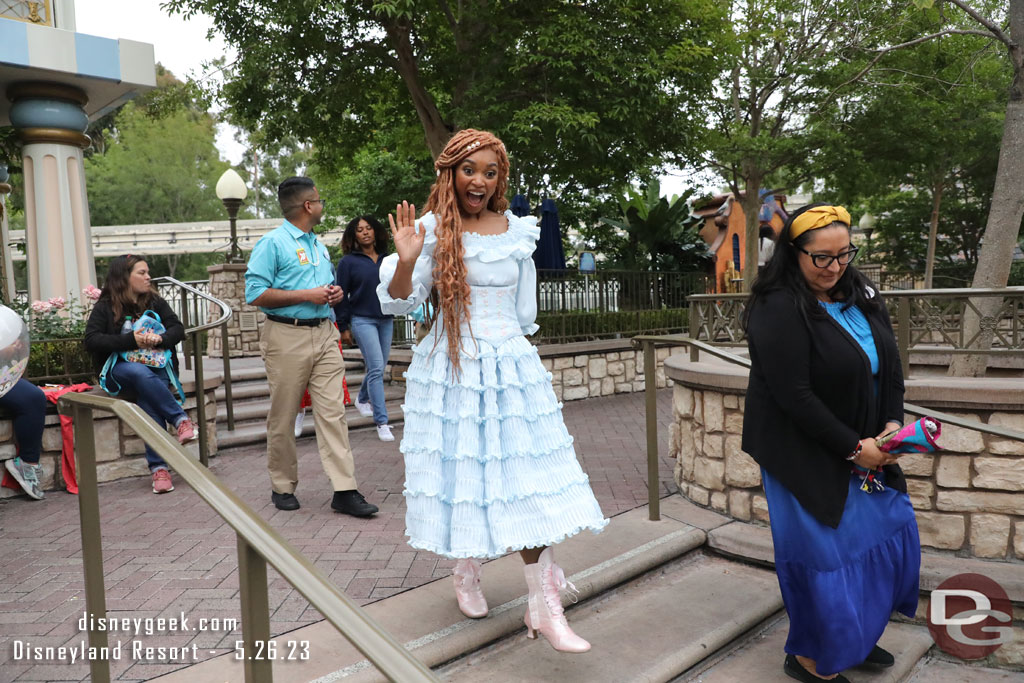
{"x": 297, "y": 357}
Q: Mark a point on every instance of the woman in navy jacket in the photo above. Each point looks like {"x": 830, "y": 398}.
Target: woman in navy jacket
{"x": 825, "y": 380}
{"x": 365, "y": 244}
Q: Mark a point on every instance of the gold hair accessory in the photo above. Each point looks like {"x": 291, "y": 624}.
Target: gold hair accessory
{"x": 818, "y": 217}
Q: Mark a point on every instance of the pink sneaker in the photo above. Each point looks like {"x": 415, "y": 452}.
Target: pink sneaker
{"x": 186, "y": 432}
{"x": 162, "y": 482}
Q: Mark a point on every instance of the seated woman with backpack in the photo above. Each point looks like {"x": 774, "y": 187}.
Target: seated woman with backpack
{"x": 127, "y": 296}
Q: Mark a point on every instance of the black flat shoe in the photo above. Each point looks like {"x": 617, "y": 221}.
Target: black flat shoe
{"x": 352, "y": 503}
{"x": 794, "y": 669}
{"x": 284, "y": 501}
{"x": 880, "y": 658}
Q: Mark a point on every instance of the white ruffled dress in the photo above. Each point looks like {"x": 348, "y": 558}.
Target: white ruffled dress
{"x": 489, "y": 465}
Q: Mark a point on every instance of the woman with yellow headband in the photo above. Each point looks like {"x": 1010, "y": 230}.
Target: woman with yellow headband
{"x": 825, "y": 378}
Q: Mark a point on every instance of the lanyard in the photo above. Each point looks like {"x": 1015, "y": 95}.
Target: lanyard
{"x": 316, "y": 250}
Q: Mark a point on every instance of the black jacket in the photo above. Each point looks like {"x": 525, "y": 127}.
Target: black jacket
{"x": 811, "y": 396}
{"x": 103, "y": 334}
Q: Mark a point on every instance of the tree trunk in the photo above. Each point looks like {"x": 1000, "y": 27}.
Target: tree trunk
{"x": 435, "y": 130}
{"x": 1004, "y": 216}
{"x": 933, "y": 233}
{"x": 751, "y": 205}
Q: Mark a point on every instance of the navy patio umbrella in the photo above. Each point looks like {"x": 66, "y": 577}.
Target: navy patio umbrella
{"x": 549, "y": 254}
{"x": 519, "y": 205}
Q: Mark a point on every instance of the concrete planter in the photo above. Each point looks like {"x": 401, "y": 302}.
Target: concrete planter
{"x": 969, "y": 499}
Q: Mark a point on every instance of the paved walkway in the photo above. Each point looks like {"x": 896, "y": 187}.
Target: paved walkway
{"x": 168, "y": 556}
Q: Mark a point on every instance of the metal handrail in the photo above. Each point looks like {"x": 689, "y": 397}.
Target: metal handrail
{"x": 192, "y": 344}
{"x": 258, "y": 544}
{"x": 648, "y": 343}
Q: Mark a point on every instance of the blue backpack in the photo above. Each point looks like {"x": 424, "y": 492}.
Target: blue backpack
{"x": 157, "y": 359}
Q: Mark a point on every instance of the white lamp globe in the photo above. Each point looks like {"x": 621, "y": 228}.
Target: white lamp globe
{"x": 231, "y": 186}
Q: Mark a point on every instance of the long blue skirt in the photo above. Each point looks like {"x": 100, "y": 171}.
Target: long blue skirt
{"x": 840, "y": 586}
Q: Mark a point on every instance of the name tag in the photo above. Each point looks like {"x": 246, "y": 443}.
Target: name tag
{"x": 303, "y": 258}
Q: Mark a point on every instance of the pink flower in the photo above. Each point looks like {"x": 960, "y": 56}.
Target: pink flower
{"x": 57, "y": 302}
{"x": 91, "y": 292}
{"x": 41, "y": 306}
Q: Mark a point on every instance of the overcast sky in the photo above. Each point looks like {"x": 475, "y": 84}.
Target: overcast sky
{"x": 179, "y": 45}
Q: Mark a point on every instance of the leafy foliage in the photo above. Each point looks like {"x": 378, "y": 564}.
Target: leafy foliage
{"x": 923, "y": 134}
{"x": 585, "y": 94}
{"x": 156, "y": 170}
{"x": 657, "y": 233}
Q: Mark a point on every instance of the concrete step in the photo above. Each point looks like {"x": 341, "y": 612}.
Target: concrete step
{"x": 933, "y": 670}
{"x": 257, "y": 408}
{"x": 427, "y": 619}
{"x": 258, "y": 387}
{"x": 652, "y": 629}
{"x": 251, "y": 432}
{"x": 759, "y": 657}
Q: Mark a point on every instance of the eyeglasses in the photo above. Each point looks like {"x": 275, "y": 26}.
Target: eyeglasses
{"x": 321, "y": 202}
{"x": 825, "y": 260}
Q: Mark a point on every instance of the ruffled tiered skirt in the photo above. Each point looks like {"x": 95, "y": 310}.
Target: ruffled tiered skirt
{"x": 489, "y": 465}
{"x": 840, "y": 586}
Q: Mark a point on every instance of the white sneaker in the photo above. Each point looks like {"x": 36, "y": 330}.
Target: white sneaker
{"x": 365, "y": 409}
{"x": 384, "y": 433}
{"x": 298, "y": 423}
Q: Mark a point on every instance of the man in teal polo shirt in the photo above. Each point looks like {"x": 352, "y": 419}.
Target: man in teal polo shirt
{"x": 290, "y": 278}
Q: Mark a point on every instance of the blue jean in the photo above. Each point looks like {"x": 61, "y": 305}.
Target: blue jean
{"x": 373, "y": 336}
{"x": 27, "y": 403}
{"x": 153, "y": 396}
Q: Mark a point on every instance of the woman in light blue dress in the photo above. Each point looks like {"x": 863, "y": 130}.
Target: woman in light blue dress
{"x": 490, "y": 466}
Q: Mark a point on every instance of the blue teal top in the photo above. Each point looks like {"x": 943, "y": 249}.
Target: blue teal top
{"x": 290, "y": 259}
{"x": 853, "y": 321}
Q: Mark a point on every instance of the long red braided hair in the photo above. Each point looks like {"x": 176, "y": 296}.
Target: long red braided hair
{"x": 449, "y": 269}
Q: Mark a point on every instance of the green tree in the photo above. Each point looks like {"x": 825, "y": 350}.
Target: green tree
{"x": 375, "y": 181}
{"x": 156, "y": 170}
{"x": 586, "y": 94}
{"x": 919, "y": 148}
{"x": 656, "y": 233}
{"x": 789, "y": 65}
{"x": 265, "y": 165}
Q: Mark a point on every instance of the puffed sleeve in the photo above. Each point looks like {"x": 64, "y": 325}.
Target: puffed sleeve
{"x": 422, "y": 274}
{"x": 526, "y": 297}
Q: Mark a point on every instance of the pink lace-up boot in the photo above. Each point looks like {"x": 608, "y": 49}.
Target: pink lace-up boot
{"x": 467, "y": 589}
{"x": 544, "y": 609}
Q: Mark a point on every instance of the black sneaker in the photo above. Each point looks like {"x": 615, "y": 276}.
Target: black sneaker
{"x": 284, "y": 501}
{"x": 352, "y": 503}
{"x": 794, "y": 669}
{"x": 880, "y": 658}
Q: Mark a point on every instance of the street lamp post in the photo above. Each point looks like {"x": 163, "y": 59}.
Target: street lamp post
{"x": 867, "y": 224}
{"x": 232, "y": 191}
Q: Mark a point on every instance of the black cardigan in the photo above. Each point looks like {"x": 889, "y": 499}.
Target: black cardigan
{"x": 811, "y": 396}
{"x": 103, "y": 334}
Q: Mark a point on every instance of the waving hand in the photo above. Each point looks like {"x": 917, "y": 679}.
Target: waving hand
{"x": 408, "y": 240}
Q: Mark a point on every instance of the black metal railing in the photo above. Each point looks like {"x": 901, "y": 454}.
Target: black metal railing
{"x": 564, "y": 291}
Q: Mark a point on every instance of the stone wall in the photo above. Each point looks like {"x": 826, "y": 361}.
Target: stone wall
{"x": 227, "y": 283}
{"x": 968, "y": 498}
{"x": 119, "y": 451}
{"x": 592, "y": 369}
{"x": 583, "y": 369}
